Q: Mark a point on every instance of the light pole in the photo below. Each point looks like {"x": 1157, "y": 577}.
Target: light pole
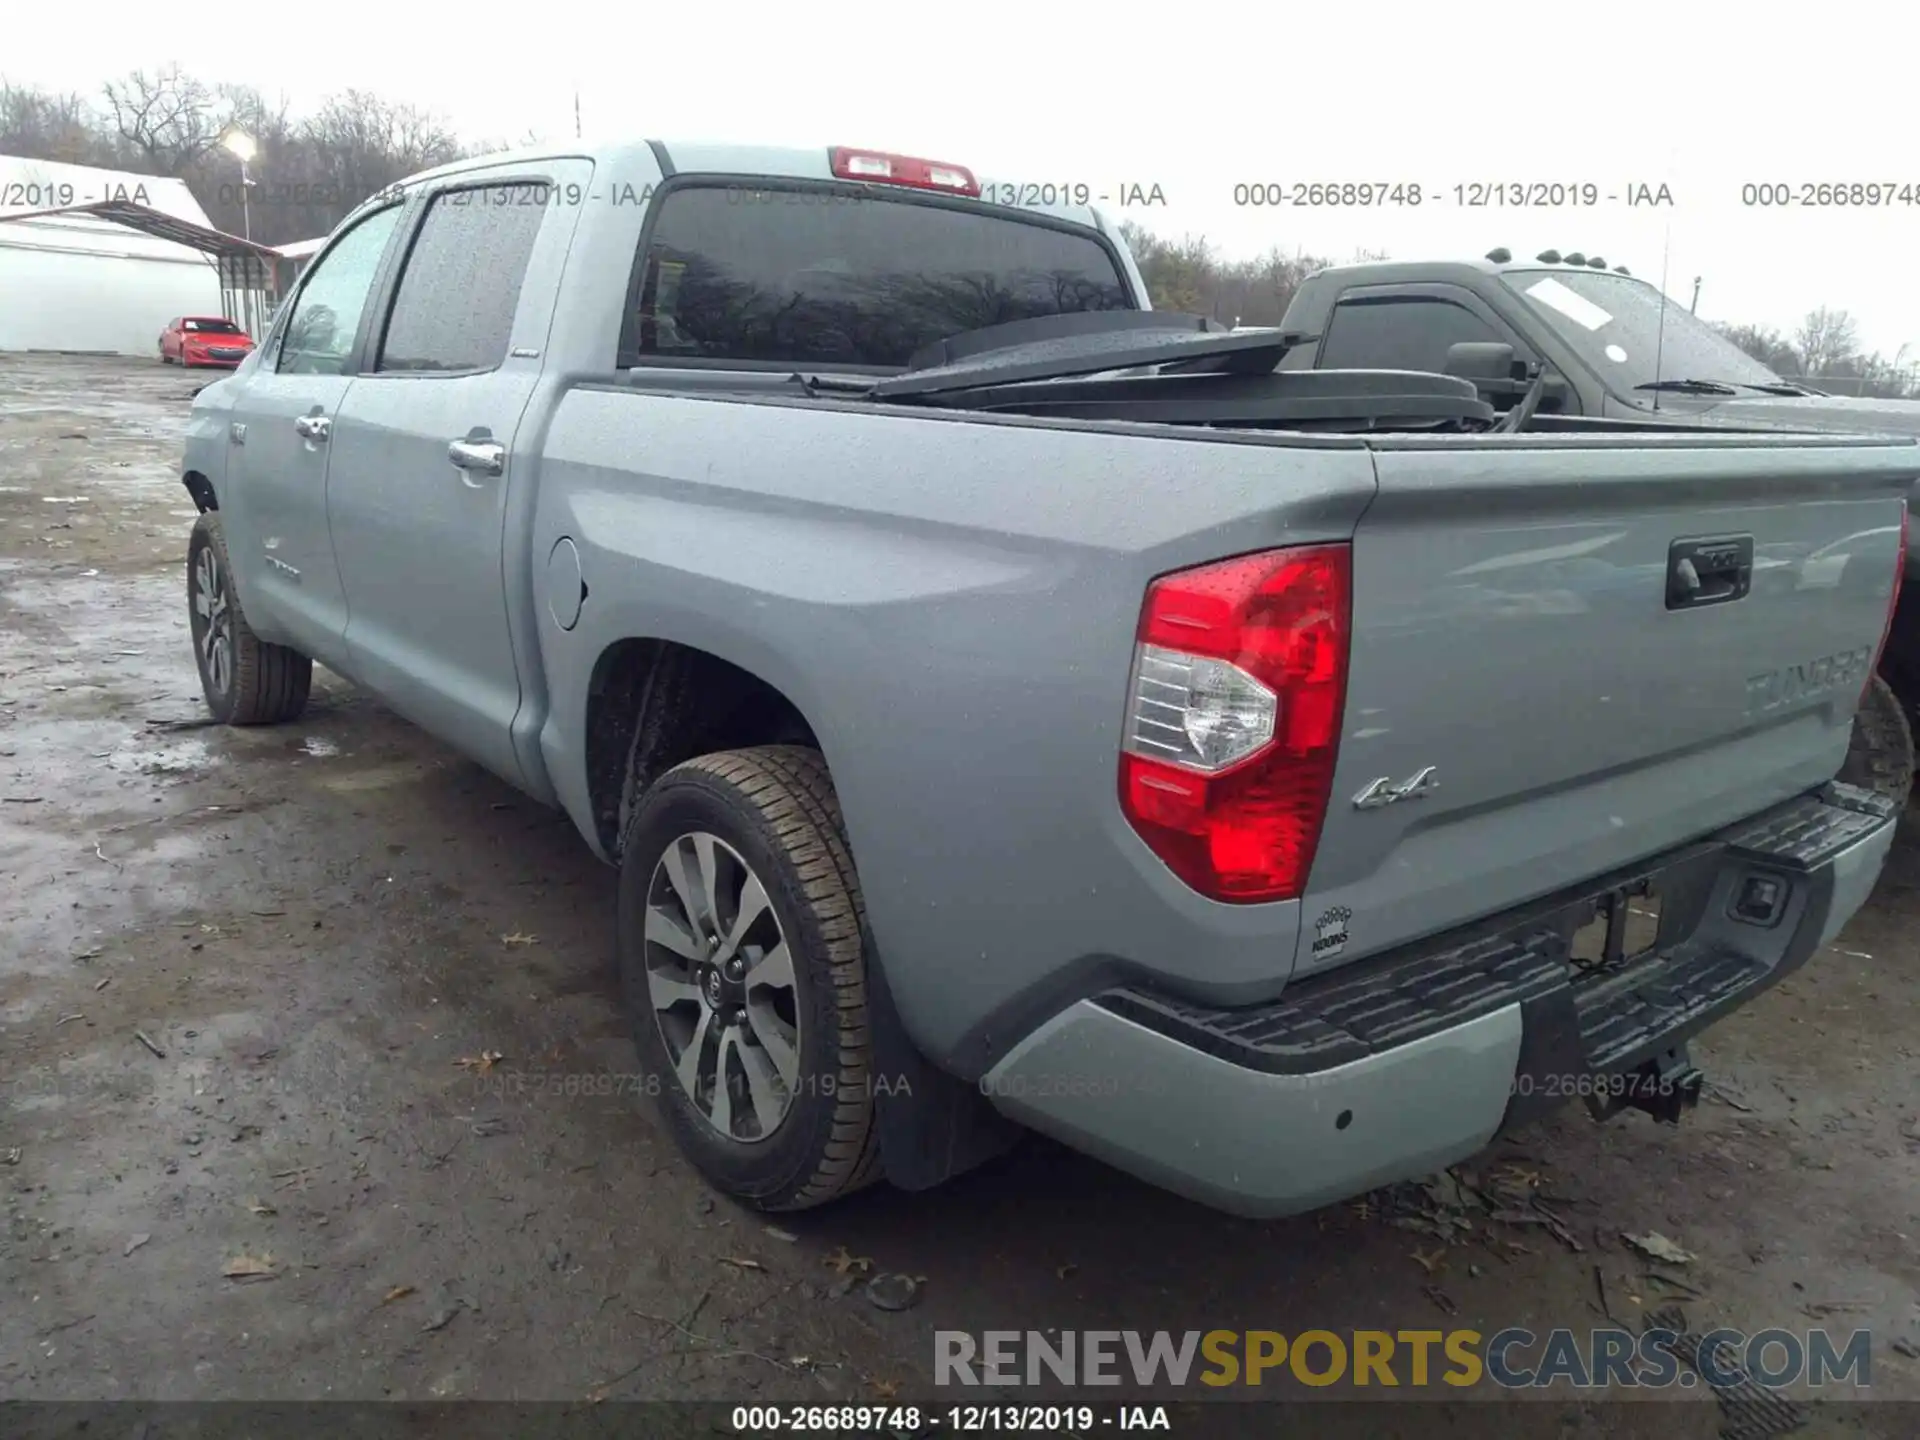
{"x": 241, "y": 146}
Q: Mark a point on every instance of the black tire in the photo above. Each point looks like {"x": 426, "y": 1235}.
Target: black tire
{"x": 775, "y": 807}
{"x": 1880, "y": 756}
{"x": 258, "y": 683}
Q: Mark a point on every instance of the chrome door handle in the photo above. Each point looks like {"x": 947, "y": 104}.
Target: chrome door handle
{"x": 489, "y": 457}
{"x": 314, "y": 427}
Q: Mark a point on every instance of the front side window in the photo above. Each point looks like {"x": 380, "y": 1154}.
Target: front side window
{"x": 820, "y": 277}
{"x": 324, "y": 327}
{"x": 1399, "y": 333}
{"x": 454, "y": 306}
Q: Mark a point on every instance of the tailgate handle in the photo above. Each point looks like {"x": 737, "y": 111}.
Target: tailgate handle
{"x": 1709, "y": 572}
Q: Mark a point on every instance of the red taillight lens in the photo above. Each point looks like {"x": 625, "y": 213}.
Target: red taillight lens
{"x": 1233, "y": 718}
{"x": 881, "y": 168}
{"x": 1893, "y": 602}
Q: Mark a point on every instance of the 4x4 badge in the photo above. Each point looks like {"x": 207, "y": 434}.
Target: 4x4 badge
{"x": 1385, "y": 791}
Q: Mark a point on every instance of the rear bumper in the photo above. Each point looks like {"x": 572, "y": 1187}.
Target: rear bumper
{"x": 1403, "y": 1063}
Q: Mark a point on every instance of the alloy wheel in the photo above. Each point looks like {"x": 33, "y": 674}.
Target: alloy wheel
{"x": 213, "y": 619}
{"x": 721, "y": 981}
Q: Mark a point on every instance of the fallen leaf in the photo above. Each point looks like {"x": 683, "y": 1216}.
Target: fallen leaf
{"x": 480, "y": 1063}
{"x": 786, "y": 1237}
{"x": 135, "y": 1243}
{"x": 516, "y": 938}
{"x": 398, "y": 1292}
{"x": 843, "y": 1263}
{"x": 249, "y": 1267}
{"x": 885, "y": 1389}
{"x": 1433, "y": 1263}
{"x": 260, "y": 1207}
{"x": 741, "y": 1264}
{"x": 441, "y": 1318}
{"x": 1656, "y": 1246}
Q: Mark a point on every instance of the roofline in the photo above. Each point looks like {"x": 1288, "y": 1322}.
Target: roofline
{"x": 157, "y": 223}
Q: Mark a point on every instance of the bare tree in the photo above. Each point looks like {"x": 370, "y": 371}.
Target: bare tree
{"x": 1765, "y": 344}
{"x": 39, "y": 126}
{"x": 1825, "y": 338}
{"x": 169, "y": 120}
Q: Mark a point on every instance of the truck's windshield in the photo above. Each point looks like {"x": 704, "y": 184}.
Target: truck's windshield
{"x": 818, "y": 277}
{"x": 1614, "y": 321}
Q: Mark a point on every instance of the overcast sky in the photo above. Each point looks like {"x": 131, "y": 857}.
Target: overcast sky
{"x": 1195, "y": 99}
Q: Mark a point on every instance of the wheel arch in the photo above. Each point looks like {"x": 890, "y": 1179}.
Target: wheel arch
{"x": 653, "y": 703}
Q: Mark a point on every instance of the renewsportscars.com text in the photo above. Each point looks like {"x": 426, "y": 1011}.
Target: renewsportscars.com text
{"x": 1513, "y": 1358}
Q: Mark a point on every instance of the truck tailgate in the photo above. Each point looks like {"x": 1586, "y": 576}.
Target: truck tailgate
{"x": 1536, "y": 695}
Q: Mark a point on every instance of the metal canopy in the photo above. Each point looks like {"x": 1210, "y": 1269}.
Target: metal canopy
{"x": 247, "y": 268}
{"x": 160, "y": 225}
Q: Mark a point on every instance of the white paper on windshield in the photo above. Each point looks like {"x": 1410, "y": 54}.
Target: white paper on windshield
{"x": 1575, "y": 307}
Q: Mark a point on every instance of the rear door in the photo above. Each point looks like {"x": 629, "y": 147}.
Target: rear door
{"x": 1531, "y": 703}
{"x": 279, "y": 439}
{"x": 424, "y": 452}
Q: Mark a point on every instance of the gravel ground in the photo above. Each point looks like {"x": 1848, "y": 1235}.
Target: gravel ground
{"x": 250, "y": 982}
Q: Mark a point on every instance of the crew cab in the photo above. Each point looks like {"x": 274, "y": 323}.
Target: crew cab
{"x": 1609, "y": 349}
{"x": 204, "y": 340}
{"x": 1010, "y": 707}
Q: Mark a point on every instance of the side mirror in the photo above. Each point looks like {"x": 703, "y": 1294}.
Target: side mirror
{"x": 1492, "y": 368}
{"x": 1489, "y": 364}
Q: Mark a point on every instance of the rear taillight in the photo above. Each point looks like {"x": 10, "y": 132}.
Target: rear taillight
{"x": 879, "y": 167}
{"x": 1233, "y": 718}
{"x": 1893, "y": 603}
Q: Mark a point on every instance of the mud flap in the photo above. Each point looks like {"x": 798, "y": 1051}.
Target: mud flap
{"x": 932, "y": 1126}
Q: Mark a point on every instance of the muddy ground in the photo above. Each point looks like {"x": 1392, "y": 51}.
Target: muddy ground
{"x": 323, "y": 930}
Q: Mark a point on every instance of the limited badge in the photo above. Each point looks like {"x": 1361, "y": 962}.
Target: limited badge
{"x": 1330, "y": 932}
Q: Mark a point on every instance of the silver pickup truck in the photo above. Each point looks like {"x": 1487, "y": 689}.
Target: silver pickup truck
{"x": 1008, "y": 707}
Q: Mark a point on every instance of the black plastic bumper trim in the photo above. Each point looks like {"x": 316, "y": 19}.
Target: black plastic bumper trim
{"x": 1575, "y": 1019}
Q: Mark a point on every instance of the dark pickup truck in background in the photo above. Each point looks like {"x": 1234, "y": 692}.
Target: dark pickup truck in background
{"x": 1611, "y": 351}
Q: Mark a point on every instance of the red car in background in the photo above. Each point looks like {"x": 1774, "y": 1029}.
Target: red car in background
{"x": 204, "y": 340}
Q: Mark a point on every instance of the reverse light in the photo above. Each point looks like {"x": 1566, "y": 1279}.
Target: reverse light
{"x": 1233, "y": 718}
{"x": 1893, "y": 604}
{"x": 880, "y": 167}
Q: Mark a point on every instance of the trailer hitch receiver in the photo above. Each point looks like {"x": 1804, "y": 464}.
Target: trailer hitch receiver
{"x": 1665, "y": 1087}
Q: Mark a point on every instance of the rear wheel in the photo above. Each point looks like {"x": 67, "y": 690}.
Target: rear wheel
{"x": 1880, "y": 756}
{"x": 744, "y": 973}
{"x": 246, "y": 680}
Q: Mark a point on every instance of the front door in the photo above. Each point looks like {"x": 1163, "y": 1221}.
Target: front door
{"x": 279, "y": 440}
{"x": 423, "y": 458}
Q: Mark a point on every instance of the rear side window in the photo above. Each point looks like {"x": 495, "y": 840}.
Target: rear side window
{"x": 1398, "y": 334}
{"x": 454, "y": 307}
{"x": 822, "y": 277}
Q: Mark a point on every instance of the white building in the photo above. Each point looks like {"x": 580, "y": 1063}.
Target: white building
{"x": 81, "y": 283}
